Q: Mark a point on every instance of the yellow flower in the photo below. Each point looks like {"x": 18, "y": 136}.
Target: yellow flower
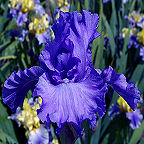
{"x": 63, "y": 9}
{"x": 136, "y": 16}
{"x": 13, "y": 3}
{"x": 124, "y": 32}
{"x": 140, "y": 37}
{"x": 26, "y": 5}
{"x": 28, "y": 116}
{"x": 55, "y": 141}
{"x": 62, "y": 3}
{"x": 123, "y": 105}
{"x": 39, "y": 24}
{"x": 133, "y": 31}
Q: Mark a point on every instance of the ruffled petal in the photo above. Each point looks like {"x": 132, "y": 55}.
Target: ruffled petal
{"x": 73, "y": 33}
{"x": 118, "y": 82}
{"x": 71, "y": 102}
{"x": 18, "y": 84}
{"x": 135, "y": 117}
{"x": 49, "y": 54}
{"x": 82, "y": 32}
{"x": 39, "y": 136}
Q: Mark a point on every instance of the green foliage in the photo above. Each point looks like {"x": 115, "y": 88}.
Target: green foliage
{"x": 7, "y": 132}
{"x": 137, "y": 134}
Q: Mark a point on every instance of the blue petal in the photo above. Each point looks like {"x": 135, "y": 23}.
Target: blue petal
{"x": 73, "y": 33}
{"x": 49, "y": 54}
{"x": 82, "y": 32}
{"x": 39, "y": 9}
{"x": 18, "y": 84}
{"x": 135, "y": 117}
{"x": 42, "y": 38}
{"x": 71, "y": 102}
{"x": 39, "y": 136}
{"x": 118, "y": 82}
{"x": 21, "y": 18}
{"x": 114, "y": 110}
{"x": 142, "y": 53}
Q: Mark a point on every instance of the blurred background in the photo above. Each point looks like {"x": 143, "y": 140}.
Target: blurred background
{"x": 25, "y": 28}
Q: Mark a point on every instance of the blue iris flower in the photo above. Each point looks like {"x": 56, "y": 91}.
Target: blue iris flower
{"x": 72, "y": 90}
{"x": 135, "y": 118}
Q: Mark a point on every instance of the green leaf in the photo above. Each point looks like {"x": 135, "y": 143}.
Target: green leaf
{"x": 78, "y": 141}
{"x": 99, "y": 61}
{"x": 10, "y": 49}
{"x": 113, "y": 20}
{"x": 105, "y": 139}
{"x": 96, "y": 136}
{"x": 106, "y": 120}
{"x": 7, "y": 57}
{"x": 53, "y": 5}
{"x": 78, "y": 7}
{"x": 141, "y": 84}
{"x": 123, "y": 59}
{"x": 142, "y": 141}
{"x": 140, "y": 4}
{"x": 110, "y": 36}
{"x": 120, "y": 21}
{"x": 4, "y": 71}
{"x": 86, "y": 4}
{"x": 5, "y": 124}
{"x": 3, "y": 18}
{"x": 132, "y": 6}
{"x": 137, "y": 74}
{"x": 5, "y": 138}
{"x": 4, "y": 46}
{"x": 137, "y": 134}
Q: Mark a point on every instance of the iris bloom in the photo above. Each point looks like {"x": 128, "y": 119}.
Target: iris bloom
{"x": 28, "y": 115}
{"x": 133, "y": 42}
{"x": 71, "y": 89}
{"x": 35, "y": 132}
{"x": 38, "y": 23}
{"x": 135, "y": 117}
{"x": 134, "y": 18}
{"x": 39, "y": 27}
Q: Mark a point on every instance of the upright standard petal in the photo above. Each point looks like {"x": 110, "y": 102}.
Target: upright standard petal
{"x": 49, "y": 54}
{"x": 82, "y": 32}
{"x": 71, "y": 102}
{"x": 118, "y": 82}
{"x": 18, "y": 84}
{"x": 73, "y": 33}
